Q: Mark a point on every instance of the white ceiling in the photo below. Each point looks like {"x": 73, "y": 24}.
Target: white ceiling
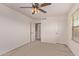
{"x": 52, "y": 10}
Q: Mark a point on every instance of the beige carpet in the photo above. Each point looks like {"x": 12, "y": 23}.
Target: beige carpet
{"x": 37, "y": 48}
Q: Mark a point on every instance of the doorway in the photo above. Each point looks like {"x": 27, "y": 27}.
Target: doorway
{"x": 38, "y": 31}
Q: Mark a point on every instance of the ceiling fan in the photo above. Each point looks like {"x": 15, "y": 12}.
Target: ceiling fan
{"x": 36, "y": 7}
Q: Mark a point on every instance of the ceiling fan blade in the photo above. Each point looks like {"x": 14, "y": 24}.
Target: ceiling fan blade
{"x": 45, "y": 4}
{"x": 42, "y": 11}
{"x": 25, "y": 7}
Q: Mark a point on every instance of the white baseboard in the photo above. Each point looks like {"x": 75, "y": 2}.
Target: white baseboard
{"x": 4, "y": 52}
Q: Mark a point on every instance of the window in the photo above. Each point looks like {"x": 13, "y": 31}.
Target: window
{"x": 76, "y": 21}
{"x": 75, "y": 26}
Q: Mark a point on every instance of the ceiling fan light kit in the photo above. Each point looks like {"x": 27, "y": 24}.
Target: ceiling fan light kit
{"x": 35, "y": 10}
{"x": 36, "y": 7}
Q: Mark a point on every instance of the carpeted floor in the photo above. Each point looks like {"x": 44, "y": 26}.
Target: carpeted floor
{"x": 38, "y": 48}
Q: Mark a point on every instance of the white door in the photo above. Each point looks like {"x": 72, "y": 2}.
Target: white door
{"x": 32, "y": 32}
{"x": 50, "y": 31}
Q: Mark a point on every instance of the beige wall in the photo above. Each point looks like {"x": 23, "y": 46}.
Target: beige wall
{"x": 54, "y": 29}
{"x": 72, "y": 44}
{"x": 14, "y": 29}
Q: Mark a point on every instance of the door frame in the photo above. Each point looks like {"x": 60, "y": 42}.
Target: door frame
{"x": 40, "y": 31}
